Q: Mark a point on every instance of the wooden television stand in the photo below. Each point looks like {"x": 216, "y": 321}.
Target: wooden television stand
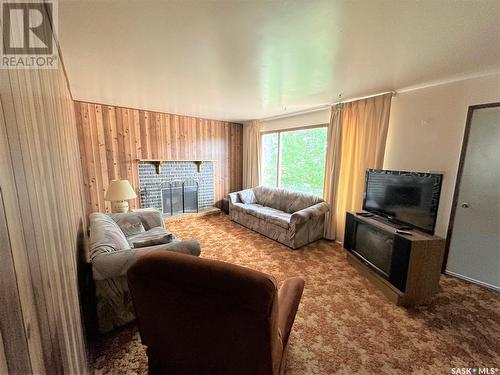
{"x": 415, "y": 265}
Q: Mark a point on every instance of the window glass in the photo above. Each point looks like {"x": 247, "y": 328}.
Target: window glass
{"x": 269, "y": 159}
{"x": 301, "y": 162}
{"x": 302, "y": 166}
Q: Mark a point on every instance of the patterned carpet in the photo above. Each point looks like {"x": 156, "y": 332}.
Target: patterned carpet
{"x": 344, "y": 325}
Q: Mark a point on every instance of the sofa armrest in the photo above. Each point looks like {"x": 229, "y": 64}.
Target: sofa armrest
{"x": 289, "y": 297}
{"x": 234, "y": 198}
{"x": 116, "y": 263}
{"x": 304, "y": 215}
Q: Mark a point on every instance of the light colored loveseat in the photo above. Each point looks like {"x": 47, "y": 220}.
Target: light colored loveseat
{"x": 116, "y": 242}
{"x": 292, "y": 218}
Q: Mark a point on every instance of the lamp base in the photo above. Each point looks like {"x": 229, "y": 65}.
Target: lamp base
{"x": 119, "y": 206}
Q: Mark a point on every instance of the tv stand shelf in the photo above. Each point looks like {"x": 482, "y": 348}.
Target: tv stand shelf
{"x": 416, "y": 259}
{"x": 390, "y": 223}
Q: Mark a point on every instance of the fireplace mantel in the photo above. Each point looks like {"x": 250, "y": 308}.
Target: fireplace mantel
{"x": 158, "y": 162}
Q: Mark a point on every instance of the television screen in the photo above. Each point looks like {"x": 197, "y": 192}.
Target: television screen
{"x": 407, "y": 197}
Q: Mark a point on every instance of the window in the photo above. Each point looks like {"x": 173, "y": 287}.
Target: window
{"x": 295, "y": 159}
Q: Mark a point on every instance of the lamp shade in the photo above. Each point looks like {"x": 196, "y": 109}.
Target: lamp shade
{"x": 120, "y": 190}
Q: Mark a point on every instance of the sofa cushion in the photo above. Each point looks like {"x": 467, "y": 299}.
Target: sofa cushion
{"x": 256, "y": 210}
{"x": 269, "y": 214}
{"x": 130, "y": 223}
{"x": 239, "y": 207}
{"x": 105, "y": 235}
{"x": 150, "y": 217}
{"x": 281, "y": 219}
{"x": 116, "y": 264}
{"x": 296, "y": 201}
{"x": 247, "y": 196}
{"x": 271, "y": 197}
{"x": 152, "y": 237}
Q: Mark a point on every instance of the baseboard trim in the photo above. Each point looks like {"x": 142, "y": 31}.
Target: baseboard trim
{"x": 474, "y": 281}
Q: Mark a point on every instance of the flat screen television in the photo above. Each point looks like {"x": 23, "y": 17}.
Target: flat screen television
{"x": 410, "y": 198}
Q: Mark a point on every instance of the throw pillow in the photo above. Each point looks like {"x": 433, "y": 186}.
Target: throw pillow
{"x": 130, "y": 223}
{"x": 247, "y": 196}
{"x": 152, "y": 237}
{"x": 105, "y": 235}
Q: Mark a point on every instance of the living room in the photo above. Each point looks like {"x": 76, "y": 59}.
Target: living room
{"x": 250, "y": 187}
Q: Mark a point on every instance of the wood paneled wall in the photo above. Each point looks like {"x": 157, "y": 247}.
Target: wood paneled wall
{"x": 113, "y": 139}
{"x": 42, "y": 219}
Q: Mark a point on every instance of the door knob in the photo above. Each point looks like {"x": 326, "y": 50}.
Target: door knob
{"x": 464, "y": 205}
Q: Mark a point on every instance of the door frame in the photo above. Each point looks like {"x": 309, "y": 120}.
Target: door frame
{"x": 458, "y": 180}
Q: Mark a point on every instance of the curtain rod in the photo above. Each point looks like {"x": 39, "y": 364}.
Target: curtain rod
{"x": 365, "y": 97}
{"x": 322, "y": 107}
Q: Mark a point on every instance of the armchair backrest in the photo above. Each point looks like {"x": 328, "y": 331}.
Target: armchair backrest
{"x": 149, "y": 218}
{"x": 284, "y": 200}
{"x": 105, "y": 235}
{"x": 109, "y": 232}
{"x": 200, "y": 316}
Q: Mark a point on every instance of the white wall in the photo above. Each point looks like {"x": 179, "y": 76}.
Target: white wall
{"x": 426, "y": 130}
{"x": 307, "y": 119}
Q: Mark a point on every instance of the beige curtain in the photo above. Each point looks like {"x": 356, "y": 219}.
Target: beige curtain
{"x": 251, "y": 154}
{"x": 356, "y": 141}
{"x": 332, "y": 169}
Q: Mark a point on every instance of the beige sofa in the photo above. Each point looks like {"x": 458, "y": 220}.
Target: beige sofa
{"x": 116, "y": 242}
{"x": 292, "y": 218}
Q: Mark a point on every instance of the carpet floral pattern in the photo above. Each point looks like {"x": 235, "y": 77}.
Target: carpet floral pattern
{"x": 344, "y": 325}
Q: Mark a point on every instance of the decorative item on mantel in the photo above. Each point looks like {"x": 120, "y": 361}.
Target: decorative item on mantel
{"x": 119, "y": 192}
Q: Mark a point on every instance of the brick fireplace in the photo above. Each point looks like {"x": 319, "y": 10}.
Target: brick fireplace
{"x": 176, "y": 186}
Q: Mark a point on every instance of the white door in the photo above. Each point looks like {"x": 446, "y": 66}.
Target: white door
{"x": 475, "y": 240}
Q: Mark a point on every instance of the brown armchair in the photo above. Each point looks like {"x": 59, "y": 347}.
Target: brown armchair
{"x": 201, "y": 316}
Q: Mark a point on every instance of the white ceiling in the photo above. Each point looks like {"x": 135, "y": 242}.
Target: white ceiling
{"x": 240, "y": 60}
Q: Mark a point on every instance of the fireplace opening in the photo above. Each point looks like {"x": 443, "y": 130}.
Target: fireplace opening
{"x": 179, "y": 197}
{"x": 155, "y": 188}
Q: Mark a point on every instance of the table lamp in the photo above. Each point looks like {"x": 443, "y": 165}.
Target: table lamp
{"x": 119, "y": 191}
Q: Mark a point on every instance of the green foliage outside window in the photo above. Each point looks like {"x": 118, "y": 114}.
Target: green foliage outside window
{"x": 302, "y": 159}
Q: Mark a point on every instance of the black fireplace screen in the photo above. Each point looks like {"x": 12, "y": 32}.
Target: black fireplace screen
{"x": 180, "y": 197}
